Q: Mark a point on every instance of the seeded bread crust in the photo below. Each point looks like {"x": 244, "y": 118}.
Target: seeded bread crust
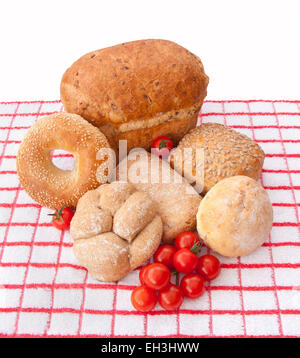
{"x": 137, "y": 91}
{"x": 115, "y": 229}
{"x": 225, "y": 153}
{"x": 235, "y": 217}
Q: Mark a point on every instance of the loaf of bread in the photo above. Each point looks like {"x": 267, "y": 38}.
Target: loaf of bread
{"x": 137, "y": 91}
{"x": 177, "y": 202}
{"x": 215, "y": 152}
{"x": 235, "y": 217}
{"x": 115, "y": 229}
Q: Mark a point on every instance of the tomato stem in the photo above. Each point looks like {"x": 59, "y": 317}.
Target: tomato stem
{"x": 162, "y": 144}
{"x": 58, "y": 214}
{"x": 195, "y": 249}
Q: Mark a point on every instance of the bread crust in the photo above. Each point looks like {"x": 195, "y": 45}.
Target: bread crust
{"x": 144, "y": 137}
{"x": 225, "y": 153}
{"x": 147, "y": 81}
{"x": 177, "y": 202}
{"x": 111, "y": 241}
{"x": 42, "y": 180}
{"x": 235, "y": 217}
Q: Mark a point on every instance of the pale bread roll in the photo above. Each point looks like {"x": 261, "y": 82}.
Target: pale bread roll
{"x": 112, "y": 240}
{"x": 114, "y": 195}
{"x": 130, "y": 219}
{"x": 177, "y": 202}
{"x": 105, "y": 256}
{"x": 235, "y": 217}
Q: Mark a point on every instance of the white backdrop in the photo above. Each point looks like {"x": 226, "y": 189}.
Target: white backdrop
{"x": 250, "y": 49}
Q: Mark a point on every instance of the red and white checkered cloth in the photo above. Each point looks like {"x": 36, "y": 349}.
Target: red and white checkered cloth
{"x": 45, "y": 293}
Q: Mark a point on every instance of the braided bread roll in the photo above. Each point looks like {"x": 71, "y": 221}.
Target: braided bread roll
{"x": 115, "y": 229}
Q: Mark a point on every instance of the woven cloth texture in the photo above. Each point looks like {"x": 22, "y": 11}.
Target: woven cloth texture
{"x": 45, "y": 293}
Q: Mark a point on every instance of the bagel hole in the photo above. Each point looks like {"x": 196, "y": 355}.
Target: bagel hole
{"x": 62, "y": 159}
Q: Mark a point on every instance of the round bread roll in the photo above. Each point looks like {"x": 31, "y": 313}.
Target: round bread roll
{"x": 137, "y": 91}
{"x": 235, "y": 217}
{"x": 49, "y": 185}
{"x": 115, "y": 229}
{"x": 177, "y": 202}
{"x": 216, "y": 152}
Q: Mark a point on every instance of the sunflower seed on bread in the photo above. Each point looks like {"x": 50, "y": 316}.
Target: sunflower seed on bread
{"x": 224, "y": 153}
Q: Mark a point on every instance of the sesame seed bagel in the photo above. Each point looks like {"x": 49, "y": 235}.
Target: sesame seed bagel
{"x": 212, "y": 152}
{"x": 42, "y": 180}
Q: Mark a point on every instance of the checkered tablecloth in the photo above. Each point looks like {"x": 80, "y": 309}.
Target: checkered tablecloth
{"x": 45, "y": 293}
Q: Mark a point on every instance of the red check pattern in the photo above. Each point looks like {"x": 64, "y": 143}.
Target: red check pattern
{"x": 45, "y": 293}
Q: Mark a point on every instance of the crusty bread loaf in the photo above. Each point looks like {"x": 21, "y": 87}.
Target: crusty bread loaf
{"x": 225, "y": 153}
{"x": 137, "y": 91}
{"x": 49, "y": 185}
{"x": 115, "y": 229}
{"x": 177, "y": 202}
{"x": 235, "y": 217}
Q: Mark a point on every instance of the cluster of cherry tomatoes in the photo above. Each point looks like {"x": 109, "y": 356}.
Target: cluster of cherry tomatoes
{"x": 168, "y": 260}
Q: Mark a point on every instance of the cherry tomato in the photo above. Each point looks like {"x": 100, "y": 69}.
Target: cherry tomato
{"x": 171, "y": 297}
{"x": 143, "y": 298}
{"x": 141, "y": 274}
{"x": 164, "y": 254}
{"x": 185, "y": 261}
{"x": 186, "y": 240}
{"x": 162, "y": 146}
{"x": 192, "y": 285}
{"x": 62, "y": 218}
{"x": 209, "y": 267}
{"x": 156, "y": 276}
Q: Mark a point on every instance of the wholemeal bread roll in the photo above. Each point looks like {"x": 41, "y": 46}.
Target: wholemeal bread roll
{"x": 137, "y": 91}
{"x": 115, "y": 229}
{"x": 43, "y": 181}
{"x": 177, "y": 202}
{"x": 235, "y": 217}
{"x": 223, "y": 151}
